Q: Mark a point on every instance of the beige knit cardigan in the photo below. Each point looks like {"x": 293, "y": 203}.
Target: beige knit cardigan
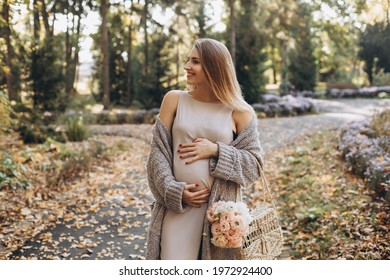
{"x": 235, "y": 167}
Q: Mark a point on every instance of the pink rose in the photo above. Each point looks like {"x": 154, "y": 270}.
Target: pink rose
{"x": 234, "y": 234}
{"x": 238, "y": 223}
{"x": 226, "y": 216}
{"x": 219, "y": 241}
{"x": 216, "y": 228}
{"x": 224, "y": 226}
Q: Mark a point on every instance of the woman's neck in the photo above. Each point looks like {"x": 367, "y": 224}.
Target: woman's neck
{"x": 203, "y": 93}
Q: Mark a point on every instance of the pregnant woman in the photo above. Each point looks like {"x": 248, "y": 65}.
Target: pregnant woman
{"x": 204, "y": 149}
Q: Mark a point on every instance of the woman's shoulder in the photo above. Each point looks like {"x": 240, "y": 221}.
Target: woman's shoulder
{"x": 174, "y": 93}
{"x": 242, "y": 119}
{"x": 170, "y": 100}
{"x": 169, "y": 106}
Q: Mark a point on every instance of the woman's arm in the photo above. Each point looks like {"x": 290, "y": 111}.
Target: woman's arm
{"x": 237, "y": 161}
{"x": 169, "y": 107}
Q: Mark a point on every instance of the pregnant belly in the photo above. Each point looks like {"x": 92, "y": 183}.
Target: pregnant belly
{"x": 194, "y": 173}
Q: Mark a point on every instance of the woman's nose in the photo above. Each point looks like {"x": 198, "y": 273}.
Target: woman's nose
{"x": 187, "y": 66}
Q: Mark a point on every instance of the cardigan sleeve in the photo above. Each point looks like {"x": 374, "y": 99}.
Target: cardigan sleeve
{"x": 237, "y": 161}
{"x": 163, "y": 185}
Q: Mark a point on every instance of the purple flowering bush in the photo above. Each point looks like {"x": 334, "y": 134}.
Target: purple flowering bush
{"x": 275, "y": 106}
{"x": 368, "y": 153}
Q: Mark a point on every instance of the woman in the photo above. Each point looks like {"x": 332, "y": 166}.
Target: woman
{"x": 205, "y": 147}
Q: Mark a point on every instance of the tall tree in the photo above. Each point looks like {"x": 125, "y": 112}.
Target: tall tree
{"x": 374, "y": 52}
{"x": 129, "y": 93}
{"x": 302, "y": 68}
{"x": 146, "y": 40}
{"x": 74, "y": 12}
{"x": 46, "y": 73}
{"x": 232, "y": 28}
{"x": 12, "y": 95}
{"x": 250, "y": 58}
{"x": 105, "y": 51}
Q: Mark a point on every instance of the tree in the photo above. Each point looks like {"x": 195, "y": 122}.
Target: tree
{"x": 6, "y": 29}
{"x": 232, "y": 27}
{"x": 250, "y": 57}
{"x": 151, "y": 84}
{"x": 374, "y": 42}
{"x": 302, "y": 68}
{"x": 105, "y": 52}
{"x": 46, "y": 73}
{"x": 74, "y": 11}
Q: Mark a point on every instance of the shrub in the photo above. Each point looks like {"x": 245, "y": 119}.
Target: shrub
{"x": 380, "y": 123}
{"x": 75, "y": 129}
{"x": 12, "y": 174}
{"x": 33, "y": 133}
{"x": 367, "y": 154}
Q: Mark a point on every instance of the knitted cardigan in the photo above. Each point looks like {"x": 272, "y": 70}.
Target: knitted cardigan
{"x": 234, "y": 167}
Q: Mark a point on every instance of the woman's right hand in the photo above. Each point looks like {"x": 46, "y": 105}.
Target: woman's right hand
{"x": 195, "y": 198}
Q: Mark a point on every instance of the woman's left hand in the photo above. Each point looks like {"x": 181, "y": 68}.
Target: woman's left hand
{"x": 200, "y": 148}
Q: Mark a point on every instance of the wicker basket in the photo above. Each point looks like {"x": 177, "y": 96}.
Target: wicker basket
{"x": 265, "y": 238}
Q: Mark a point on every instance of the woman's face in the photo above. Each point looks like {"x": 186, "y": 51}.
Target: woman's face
{"x": 194, "y": 69}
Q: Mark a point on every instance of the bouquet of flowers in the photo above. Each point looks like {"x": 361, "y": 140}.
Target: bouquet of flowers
{"x": 229, "y": 223}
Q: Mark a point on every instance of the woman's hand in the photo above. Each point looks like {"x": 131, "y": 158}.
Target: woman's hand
{"x": 195, "y": 198}
{"x": 200, "y": 148}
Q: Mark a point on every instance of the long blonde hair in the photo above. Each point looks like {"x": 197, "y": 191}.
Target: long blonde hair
{"x": 220, "y": 73}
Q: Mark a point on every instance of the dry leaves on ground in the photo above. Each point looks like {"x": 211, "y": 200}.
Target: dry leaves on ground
{"x": 27, "y": 213}
{"x": 326, "y": 212}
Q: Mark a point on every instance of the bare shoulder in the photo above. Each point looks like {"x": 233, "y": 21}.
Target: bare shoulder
{"x": 168, "y": 107}
{"x": 241, "y": 119}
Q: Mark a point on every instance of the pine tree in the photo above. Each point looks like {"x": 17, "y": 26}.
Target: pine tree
{"x": 302, "y": 68}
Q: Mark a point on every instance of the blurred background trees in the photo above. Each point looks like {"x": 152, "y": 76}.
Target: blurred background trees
{"x": 128, "y": 53}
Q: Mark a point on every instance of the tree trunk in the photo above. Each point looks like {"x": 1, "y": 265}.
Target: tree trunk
{"x": 106, "y": 73}
{"x": 388, "y": 12}
{"x": 177, "y": 51}
{"x": 232, "y": 31}
{"x": 45, "y": 18}
{"x": 129, "y": 54}
{"x": 273, "y": 61}
{"x": 11, "y": 92}
{"x": 68, "y": 55}
{"x": 37, "y": 25}
{"x": 75, "y": 57}
{"x": 146, "y": 47}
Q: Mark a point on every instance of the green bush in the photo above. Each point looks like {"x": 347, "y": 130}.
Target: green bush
{"x": 12, "y": 174}
{"x": 381, "y": 78}
{"x": 75, "y": 129}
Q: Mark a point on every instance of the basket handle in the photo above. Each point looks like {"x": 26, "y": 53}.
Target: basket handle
{"x": 264, "y": 184}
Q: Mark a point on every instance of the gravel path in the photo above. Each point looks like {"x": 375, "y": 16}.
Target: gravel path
{"x": 130, "y": 244}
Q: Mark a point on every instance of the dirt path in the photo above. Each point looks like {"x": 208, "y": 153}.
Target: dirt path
{"x": 115, "y": 228}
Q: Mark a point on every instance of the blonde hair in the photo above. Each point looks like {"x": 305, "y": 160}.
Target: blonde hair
{"x": 220, "y": 73}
